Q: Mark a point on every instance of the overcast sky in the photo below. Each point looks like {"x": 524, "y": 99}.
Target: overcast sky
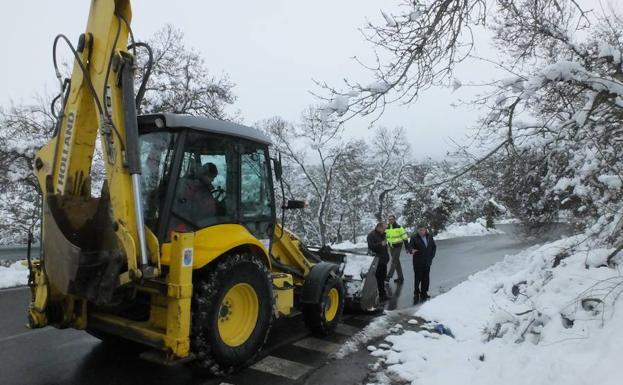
{"x": 272, "y": 50}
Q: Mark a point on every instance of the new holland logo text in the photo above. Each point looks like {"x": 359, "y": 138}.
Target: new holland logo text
{"x": 71, "y": 118}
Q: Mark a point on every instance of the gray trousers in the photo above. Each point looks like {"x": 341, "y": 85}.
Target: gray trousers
{"x": 395, "y": 262}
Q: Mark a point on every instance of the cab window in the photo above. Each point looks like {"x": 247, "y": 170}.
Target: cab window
{"x": 255, "y": 192}
{"x": 204, "y": 195}
{"x": 156, "y": 157}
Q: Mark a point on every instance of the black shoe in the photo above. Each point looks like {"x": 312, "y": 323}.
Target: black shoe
{"x": 425, "y": 296}
{"x": 416, "y": 299}
{"x": 399, "y": 280}
{"x": 383, "y": 297}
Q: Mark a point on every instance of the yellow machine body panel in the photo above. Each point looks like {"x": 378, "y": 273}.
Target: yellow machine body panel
{"x": 168, "y": 327}
{"x": 286, "y": 249}
{"x": 283, "y": 286}
{"x": 215, "y": 241}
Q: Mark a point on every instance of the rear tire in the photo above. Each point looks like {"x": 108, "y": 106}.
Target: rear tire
{"x": 232, "y": 313}
{"x": 322, "y": 318}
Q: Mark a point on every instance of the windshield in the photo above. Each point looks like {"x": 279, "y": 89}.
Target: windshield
{"x": 156, "y": 155}
{"x": 205, "y": 192}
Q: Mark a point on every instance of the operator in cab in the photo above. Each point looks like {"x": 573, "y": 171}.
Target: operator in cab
{"x": 195, "y": 202}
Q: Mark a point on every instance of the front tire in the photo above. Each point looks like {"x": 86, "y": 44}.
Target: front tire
{"x": 232, "y": 313}
{"x": 323, "y": 317}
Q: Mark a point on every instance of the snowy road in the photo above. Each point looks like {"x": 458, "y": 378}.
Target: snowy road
{"x": 50, "y": 356}
{"x": 458, "y": 258}
{"x": 15, "y": 253}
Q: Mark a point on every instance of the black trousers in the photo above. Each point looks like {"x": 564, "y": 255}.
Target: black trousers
{"x": 381, "y": 273}
{"x": 422, "y": 279}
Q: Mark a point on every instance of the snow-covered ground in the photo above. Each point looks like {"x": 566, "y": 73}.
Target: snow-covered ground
{"x": 348, "y": 245}
{"x": 552, "y": 314}
{"x": 466, "y": 230}
{"x": 15, "y": 274}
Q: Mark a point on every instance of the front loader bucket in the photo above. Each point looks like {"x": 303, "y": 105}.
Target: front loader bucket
{"x": 359, "y": 275}
{"x": 358, "y": 272}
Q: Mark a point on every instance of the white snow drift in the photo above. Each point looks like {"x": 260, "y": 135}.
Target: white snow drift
{"x": 549, "y": 315}
{"x": 14, "y": 275}
{"x": 473, "y": 229}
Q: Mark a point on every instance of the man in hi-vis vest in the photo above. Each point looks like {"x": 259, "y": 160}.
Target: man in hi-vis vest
{"x": 395, "y": 236}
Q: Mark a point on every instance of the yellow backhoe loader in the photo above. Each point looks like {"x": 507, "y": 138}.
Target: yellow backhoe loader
{"x": 181, "y": 251}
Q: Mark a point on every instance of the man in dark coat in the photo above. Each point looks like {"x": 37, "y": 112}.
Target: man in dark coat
{"x": 423, "y": 248}
{"x": 378, "y": 246}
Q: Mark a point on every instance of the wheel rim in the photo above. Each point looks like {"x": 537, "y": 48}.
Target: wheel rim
{"x": 332, "y": 304}
{"x": 238, "y": 314}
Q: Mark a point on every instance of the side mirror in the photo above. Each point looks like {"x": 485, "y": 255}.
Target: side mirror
{"x": 278, "y": 168}
{"x": 294, "y": 205}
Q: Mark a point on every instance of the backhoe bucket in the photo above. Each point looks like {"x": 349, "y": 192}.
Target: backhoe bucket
{"x": 79, "y": 247}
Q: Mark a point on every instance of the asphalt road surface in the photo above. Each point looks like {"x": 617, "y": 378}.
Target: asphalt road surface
{"x": 16, "y": 253}
{"x": 459, "y": 258}
{"x": 53, "y": 357}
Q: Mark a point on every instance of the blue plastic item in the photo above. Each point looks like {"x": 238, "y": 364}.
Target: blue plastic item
{"x": 439, "y": 328}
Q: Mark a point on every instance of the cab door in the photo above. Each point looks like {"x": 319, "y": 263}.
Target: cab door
{"x": 256, "y": 206}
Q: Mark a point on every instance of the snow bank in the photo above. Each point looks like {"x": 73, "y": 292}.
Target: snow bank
{"x": 466, "y": 230}
{"x": 380, "y": 326}
{"x": 357, "y": 265}
{"x": 549, "y": 315}
{"x": 507, "y": 221}
{"x": 376, "y": 328}
{"x": 14, "y": 275}
{"x": 613, "y": 182}
{"x": 348, "y": 245}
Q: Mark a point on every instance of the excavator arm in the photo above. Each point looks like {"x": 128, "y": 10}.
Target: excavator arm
{"x": 93, "y": 245}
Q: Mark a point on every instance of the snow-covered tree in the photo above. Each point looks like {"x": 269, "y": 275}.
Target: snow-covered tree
{"x": 554, "y": 123}
{"x": 318, "y": 152}
{"x": 390, "y": 159}
{"x": 561, "y": 112}
{"x": 23, "y": 129}
{"x": 180, "y": 81}
{"x": 437, "y": 200}
{"x": 415, "y": 49}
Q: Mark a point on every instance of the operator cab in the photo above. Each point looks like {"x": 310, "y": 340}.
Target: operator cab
{"x": 199, "y": 172}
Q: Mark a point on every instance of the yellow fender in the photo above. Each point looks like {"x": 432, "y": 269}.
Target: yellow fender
{"x": 214, "y": 241}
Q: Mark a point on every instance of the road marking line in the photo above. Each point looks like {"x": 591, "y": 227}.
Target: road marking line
{"x": 24, "y": 334}
{"x": 281, "y": 367}
{"x": 347, "y": 330}
{"x": 317, "y": 344}
{"x": 16, "y": 288}
{"x": 78, "y": 341}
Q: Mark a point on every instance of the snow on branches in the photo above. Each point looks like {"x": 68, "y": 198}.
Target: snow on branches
{"x": 558, "y": 116}
{"x": 424, "y": 43}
